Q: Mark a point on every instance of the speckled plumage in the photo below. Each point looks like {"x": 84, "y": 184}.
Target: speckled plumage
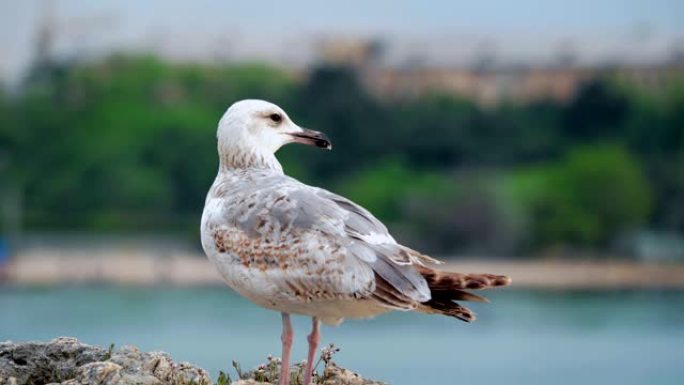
{"x": 300, "y": 249}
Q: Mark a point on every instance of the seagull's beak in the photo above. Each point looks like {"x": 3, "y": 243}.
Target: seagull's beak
{"x": 311, "y": 138}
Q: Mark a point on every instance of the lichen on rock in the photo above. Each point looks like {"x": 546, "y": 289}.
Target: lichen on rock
{"x": 332, "y": 375}
{"x": 268, "y": 373}
{"x": 66, "y": 361}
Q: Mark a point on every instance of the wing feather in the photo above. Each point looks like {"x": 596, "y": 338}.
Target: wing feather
{"x": 320, "y": 234}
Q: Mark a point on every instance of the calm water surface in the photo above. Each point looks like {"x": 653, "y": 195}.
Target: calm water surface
{"x": 523, "y": 337}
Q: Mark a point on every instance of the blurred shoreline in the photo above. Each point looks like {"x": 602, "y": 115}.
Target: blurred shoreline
{"x": 194, "y": 269}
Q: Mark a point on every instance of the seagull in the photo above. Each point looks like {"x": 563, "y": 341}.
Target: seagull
{"x": 299, "y": 249}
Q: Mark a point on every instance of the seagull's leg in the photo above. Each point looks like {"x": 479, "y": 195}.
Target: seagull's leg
{"x": 314, "y": 338}
{"x": 287, "y": 346}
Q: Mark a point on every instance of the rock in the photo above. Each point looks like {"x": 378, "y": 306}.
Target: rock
{"x": 334, "y": 375}
{"x": 66, "y": 361}
{"x": 267, "y": 374}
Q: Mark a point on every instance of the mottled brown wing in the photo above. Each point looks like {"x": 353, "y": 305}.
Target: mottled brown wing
{"x": 316, "y": 227}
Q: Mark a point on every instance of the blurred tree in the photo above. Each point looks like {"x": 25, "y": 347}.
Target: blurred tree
{"x": 7, "y": 129}
{"x": 128, "y": 142}
{"x": 538, "y": 134}
{"x": 597, "y": 112}
{"x": 592, "y": 195}
{"x": 332, "y": 100}
{"x": 655, "y": 131}
{"x": 472, "y": 214}
{"x": 386, "y": 186}
{"x": 432, "y": 132}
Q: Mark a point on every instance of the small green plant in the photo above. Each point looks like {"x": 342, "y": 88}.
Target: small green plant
{"x": 238, "y": 370}
{"x": 110, "y": 351}
{"x": 223, "y": 378}
{"x": 270, "y": 371}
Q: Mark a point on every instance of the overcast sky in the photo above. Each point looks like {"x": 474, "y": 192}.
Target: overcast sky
{"x": 441, "y": 32}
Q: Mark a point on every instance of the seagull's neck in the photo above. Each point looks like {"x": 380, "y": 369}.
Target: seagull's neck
{"x": 241, "y": 159}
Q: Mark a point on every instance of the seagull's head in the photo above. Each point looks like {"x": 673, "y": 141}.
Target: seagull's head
{"x": 262, "y": 127}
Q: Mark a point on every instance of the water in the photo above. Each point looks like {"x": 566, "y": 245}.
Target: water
{"x": 523, "y": 337}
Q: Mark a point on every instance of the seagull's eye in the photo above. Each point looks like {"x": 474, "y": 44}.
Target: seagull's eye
{"x": 276, "y": 118}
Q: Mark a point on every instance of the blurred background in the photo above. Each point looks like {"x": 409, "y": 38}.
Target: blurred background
{"x": 543, "y": 140}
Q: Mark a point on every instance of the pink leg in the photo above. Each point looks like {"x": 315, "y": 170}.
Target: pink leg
{"x": 287, "y": 346}
{"x": 314, "y": 338}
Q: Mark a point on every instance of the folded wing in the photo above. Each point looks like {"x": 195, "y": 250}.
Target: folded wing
{"x": 322, "y": 244}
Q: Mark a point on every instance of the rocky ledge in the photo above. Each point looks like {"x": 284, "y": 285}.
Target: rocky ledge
{"x": 66, "y": 361}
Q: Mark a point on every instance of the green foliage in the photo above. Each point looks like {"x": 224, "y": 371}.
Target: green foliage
{"x": 128, "y": 142}
{"x": 655, "y": 131}
{"x": 223, "y": 378}
{"x": 586, "y": 198}
{"x": 597, "y": 112}
{"x": 384, "y": 188}
{"x": 110, "y": 351}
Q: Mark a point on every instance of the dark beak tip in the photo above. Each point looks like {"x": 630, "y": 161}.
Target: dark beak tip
{"x": 315, "y": 138}
{"x": 322, "y": 141}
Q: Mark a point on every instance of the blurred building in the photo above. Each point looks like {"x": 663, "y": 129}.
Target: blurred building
{"x": 485, "y": 82}
{"x": 354, "y": 52}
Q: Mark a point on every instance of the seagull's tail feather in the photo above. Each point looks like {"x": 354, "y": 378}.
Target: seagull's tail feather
{"x": 444, "y": 281}
{"x": 448, "y": 308}
{"x": 447, "y": 287}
